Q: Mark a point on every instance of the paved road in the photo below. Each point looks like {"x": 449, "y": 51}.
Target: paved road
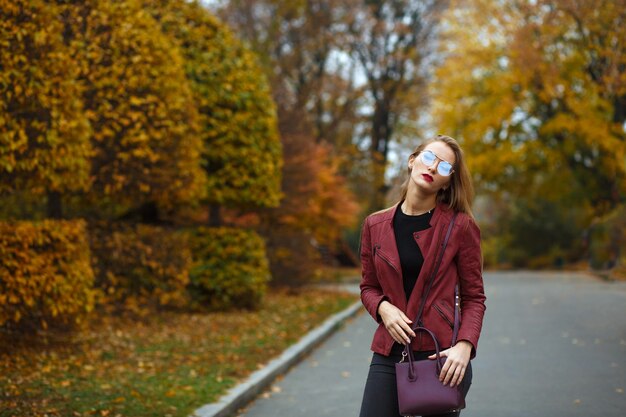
{"x": 553, "y": 344}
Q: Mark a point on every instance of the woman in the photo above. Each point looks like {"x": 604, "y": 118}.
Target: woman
{"x": 399, "y": 246}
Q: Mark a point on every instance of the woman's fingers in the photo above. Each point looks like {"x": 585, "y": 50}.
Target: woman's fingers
{"x": 452, "y": 373}
{"x": 406, "y": 324}
{"x": 407, "y": 329}
{"x": 398, "y": 336}
{"x": 456, "y": 376}
{"x": 443, "y": 354}
{"x": 396, "y": 322}
{"x": 401, "y": 332}
{"x": 459, "y": 373}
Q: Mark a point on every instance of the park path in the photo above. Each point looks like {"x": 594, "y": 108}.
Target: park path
{"x": 553, "y": 344}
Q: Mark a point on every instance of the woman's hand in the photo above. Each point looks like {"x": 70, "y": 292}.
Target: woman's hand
{"x": 458, "y": 356}
{"x": 396, "y": 322}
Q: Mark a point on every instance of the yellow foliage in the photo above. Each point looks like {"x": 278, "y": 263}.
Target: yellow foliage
{"x": 139, "y": 103}
{"x": 230, "y": 268}
{"x": 45, "y": 273}
{"x": 44, "y": 133}
{"x": 140, "y": 266}
{"x": 242, "y": 152}
{"x": 535, "y": 93}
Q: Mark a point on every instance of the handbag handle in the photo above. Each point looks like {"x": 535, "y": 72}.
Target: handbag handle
{"x": 408, "y": 352}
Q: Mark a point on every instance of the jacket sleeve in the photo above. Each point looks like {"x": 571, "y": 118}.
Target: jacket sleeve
{"x": 371, "y": 291}
{"x": 469, "y": 266}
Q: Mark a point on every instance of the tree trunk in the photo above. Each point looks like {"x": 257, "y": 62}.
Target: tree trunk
{"x": 215, "y": 215}
{"x": 381, "y": 134}
{"x": 55, "y": 205}
{"x": 149, "y": 213}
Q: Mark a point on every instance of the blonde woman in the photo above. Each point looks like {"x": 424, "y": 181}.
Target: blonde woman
{"x": 399, "y": 246}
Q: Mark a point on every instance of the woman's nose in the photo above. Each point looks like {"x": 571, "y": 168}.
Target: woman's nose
{"x": 433, "y": 167}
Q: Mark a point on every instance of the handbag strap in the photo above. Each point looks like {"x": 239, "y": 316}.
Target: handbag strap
{"x": 457, "y": 318}
{"x": 418, "y": 320}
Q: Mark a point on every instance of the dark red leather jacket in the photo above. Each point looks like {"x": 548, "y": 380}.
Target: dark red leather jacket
{"x": 462, "y": 262}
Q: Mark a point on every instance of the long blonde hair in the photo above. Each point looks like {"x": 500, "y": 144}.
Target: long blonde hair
{"x": 460, "y": 193}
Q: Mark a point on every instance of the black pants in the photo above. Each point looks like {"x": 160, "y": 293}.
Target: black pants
{"x": 380, "y": 398}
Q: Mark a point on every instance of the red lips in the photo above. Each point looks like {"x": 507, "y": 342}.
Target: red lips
{"x": 427, "y": 177}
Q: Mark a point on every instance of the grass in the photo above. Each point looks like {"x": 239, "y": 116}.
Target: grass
{"x": 167, "y": 365}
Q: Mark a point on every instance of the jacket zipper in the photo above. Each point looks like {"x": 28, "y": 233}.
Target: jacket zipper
{"x": 377, "y": 252}
{"x": 442, "y": 314}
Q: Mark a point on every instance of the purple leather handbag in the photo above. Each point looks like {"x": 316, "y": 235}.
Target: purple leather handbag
{"x": 419, "y": 390}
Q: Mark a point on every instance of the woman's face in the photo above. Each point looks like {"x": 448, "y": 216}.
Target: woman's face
{"x": 426, "y": 177}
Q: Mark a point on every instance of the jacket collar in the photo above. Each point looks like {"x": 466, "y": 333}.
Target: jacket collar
{"x": 441, "y": 210}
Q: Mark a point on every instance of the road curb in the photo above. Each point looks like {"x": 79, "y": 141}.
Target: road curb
{"x": 248, "y": 390}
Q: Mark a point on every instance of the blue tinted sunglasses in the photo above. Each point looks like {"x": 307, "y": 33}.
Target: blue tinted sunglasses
{"x": 428, "y": 158}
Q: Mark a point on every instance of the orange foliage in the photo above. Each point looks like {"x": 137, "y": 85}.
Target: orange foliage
{"x": 45, "y": 274}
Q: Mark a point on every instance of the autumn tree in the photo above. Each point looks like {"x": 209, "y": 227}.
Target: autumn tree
{"x": 44, "y": 132}
{"x": 394, "y": 43}
{"x": 296, "y": 41}
{"x": 310, "y": 81}
{"x": 242, "y": 154}
{"x": 140, "y": 106}
{"x": 538, "y": 101}
{"x": 317, "y": 208}
{"x": 316, "y": 101}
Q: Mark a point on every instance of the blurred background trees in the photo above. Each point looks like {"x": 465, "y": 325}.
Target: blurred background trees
{"x": 537, "y": 98}
{"x": 534, "y": 91}
{"x": 163, "y": 128}
{"x": 137, "y": 117}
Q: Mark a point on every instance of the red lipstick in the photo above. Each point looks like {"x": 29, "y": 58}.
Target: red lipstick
{"x": 427, "y": 177}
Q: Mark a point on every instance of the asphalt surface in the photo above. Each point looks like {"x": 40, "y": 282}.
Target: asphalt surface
{"x": 553, "y": 344}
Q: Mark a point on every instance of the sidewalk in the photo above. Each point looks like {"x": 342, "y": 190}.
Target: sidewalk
{"x": 553, "y": 344}
{"x": 260, "y": 380}
{"x": 329, "y": 382}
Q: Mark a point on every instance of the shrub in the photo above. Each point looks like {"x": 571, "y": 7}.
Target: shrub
{"x": 45, "y": 274}
{"x": 543, "y": 234}
{"x": 44, "y": 132}
{"x": 242, "y": 149}
{"x": 139, "y": 266}
{"x": 139, "y": 105}
{"x": 230, "y": 268}
{"x": 607, "y": 240}
{"x": 293, "y": 260}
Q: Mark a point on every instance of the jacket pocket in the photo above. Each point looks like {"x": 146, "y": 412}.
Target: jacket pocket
{"x": 445, "y": 312}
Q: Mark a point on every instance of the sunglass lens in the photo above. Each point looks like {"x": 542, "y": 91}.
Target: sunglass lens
{"x": 428, "y": 158}
{"x": 444, "y": 168}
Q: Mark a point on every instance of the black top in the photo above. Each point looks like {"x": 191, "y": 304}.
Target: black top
{"x": 411, "y": 259}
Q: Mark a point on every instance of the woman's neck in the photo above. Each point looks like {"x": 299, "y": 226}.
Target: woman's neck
{"x": 416, "y": 203}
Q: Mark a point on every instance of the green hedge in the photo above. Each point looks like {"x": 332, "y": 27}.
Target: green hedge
{"x": 230, "y": 268}
{"x": 45, "y": 273}
{"x": 607, "y": 241}
{"x": 140, "y": 265}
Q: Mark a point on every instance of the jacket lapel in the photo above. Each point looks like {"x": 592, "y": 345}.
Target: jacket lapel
{"x": 429, "y": 241}
{"x": 387, "y": 242}
{"x": 389, "y": 250}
